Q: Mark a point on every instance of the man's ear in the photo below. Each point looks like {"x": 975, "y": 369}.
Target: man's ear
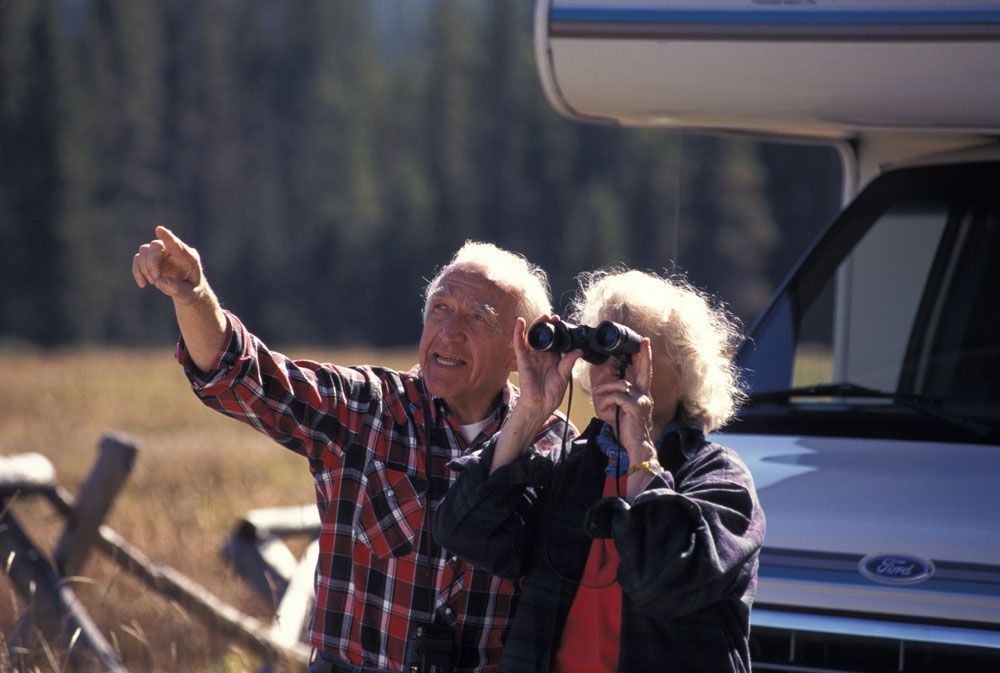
{"x": 512, "y": 365}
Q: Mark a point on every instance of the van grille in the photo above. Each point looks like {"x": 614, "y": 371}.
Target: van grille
{"x": 807, "y": 652}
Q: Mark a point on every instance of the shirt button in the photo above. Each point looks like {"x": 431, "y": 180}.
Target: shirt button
{"x": 447, "y": 611}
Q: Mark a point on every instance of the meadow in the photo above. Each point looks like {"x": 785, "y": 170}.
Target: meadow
{"x": 196, "y": 475}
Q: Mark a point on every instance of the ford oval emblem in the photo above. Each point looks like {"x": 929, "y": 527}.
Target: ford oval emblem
{"x": 896, "y": 568}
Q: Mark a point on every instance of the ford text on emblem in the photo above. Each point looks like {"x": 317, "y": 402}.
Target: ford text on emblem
{"x": 896, "y": 568}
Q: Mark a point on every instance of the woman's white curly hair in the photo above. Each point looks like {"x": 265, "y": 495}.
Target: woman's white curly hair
{"x": 700, "y": 337}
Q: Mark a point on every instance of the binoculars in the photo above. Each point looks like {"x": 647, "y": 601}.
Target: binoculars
{"x": 597, "y": 343}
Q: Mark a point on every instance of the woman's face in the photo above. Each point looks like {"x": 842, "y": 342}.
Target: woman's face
{"x": 664, "y": 387}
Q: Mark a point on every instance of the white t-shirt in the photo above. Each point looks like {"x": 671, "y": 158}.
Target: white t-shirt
{"x": 472, "y": 430}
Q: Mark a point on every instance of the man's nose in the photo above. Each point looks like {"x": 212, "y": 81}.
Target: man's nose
{"x": 453, "y": 327}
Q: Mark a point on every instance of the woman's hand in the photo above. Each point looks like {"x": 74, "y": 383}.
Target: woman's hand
{"x": 631, "y": 397}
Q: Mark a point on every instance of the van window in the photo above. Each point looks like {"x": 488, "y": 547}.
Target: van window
{"x": 957, "y": 357}
{"x": 899, "y": 296}
{"x": 880, "y": 283}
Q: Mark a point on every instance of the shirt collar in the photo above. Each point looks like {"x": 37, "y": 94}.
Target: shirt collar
{"x": 677, "y": 443}
{"x": 672, "y": 426}
{"x": 440, "y": 412}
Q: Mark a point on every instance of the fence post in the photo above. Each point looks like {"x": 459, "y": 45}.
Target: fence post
{"x": 114, "y": 462}
{"x": 293, "y": 611}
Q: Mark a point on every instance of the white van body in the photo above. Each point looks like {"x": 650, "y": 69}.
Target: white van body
{"x": 879, "y": 478}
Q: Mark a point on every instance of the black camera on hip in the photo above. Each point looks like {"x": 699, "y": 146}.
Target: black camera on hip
{"x": 597, "y": 343}
{"x": 430, "y": 649}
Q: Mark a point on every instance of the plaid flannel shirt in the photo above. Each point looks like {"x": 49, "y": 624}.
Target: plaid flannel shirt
{"x": 363, "y": 431}
{"x": 688, "y": 548}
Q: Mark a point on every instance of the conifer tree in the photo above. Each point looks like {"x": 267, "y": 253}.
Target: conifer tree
{"x": 33, "y": 247}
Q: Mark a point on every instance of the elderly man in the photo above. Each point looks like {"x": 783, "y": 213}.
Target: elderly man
{"x": 378, "y": 443}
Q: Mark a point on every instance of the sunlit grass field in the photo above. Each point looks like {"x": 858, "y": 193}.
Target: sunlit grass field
{"x": 197, "y": 473}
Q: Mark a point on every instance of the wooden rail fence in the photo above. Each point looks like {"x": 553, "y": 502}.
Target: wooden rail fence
{"x": 55, "y": 615}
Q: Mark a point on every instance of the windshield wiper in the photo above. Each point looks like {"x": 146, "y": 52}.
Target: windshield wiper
{"x": 925, "y": 405}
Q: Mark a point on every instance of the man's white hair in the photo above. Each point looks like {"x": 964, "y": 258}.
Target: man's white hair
{"x": 700, "y": 338}
{"x": 525, "y": 282}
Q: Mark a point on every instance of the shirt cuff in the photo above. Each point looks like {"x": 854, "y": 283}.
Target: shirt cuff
{"x": 222, "y": 372}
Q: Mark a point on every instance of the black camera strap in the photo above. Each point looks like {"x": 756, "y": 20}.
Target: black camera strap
{"x": 427, "y": 544}
{"x": 624, "y": 360}
{"x": 430, "y": 645}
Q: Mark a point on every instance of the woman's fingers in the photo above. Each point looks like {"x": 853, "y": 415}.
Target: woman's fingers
{"x": 622, "y": 386}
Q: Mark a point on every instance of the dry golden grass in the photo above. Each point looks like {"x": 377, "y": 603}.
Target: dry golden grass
{"x": 197, "y": 473}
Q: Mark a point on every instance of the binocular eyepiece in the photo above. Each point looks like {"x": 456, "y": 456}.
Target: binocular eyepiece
{"x": 597, "y": 343}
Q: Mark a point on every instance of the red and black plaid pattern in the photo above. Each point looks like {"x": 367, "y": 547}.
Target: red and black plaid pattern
{"x": 363, "y": 431}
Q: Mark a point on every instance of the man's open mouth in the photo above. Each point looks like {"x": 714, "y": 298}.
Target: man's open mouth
{"x": 448, "y": 360}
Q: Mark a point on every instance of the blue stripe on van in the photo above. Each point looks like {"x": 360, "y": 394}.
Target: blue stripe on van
{"x": 913, "y": 17}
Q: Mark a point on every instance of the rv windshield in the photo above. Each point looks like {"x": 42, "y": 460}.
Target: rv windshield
{"x": 898, "y": 297}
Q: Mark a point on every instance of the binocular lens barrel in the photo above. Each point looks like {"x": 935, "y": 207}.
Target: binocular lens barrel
{"x": 611, "y": 337}
{"x": 542, "y": 336}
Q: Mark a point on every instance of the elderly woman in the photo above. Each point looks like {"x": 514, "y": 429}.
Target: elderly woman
{"x": 639, "y": 546}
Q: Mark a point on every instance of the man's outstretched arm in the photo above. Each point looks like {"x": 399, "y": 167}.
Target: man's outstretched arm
{"x": 174, "y": 268}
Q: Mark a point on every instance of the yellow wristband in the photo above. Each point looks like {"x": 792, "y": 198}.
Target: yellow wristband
{"x": 652, "y": 466}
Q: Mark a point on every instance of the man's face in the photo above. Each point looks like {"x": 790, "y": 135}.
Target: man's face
{"x": 465, "y": 349}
